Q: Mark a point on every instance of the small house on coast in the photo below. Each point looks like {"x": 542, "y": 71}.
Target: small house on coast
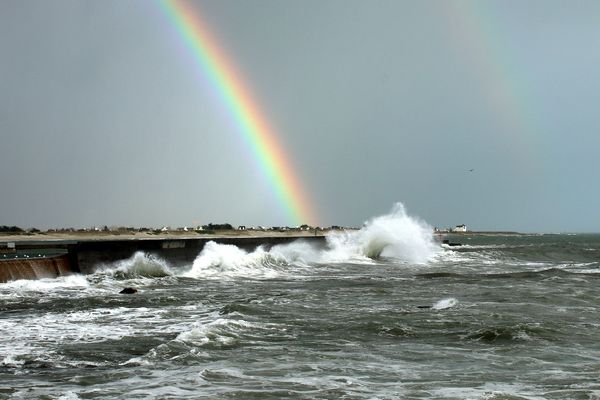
{"x": 459, "y": 228}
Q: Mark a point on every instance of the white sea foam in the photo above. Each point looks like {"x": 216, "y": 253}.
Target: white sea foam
{"x": 395, "y": 235}
{"x": 445, "y": 303}
{"x": 141, "y": 264}
{"x": 489, "y": 391}
{"x": 298, "y": 252}
{"x": 222, "y": 372}
{"x": 219, "y": 333}
{"x": 23, "y": 286}
{"x": 69, "y": 396}
{"x": 34, "y": 338}
{"x": 219, "y": 261}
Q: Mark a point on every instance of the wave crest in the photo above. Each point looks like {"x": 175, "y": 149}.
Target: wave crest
{"x": 511, "y": 333}
{"x": 140, "y": 265}
{"x": 229, "y": 261}
{"x": 395, "y": 235}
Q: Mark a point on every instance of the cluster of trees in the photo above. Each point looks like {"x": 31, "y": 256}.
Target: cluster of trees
{"x": 10, "y": 229}
{"x": 217, "y": 227}
{"x": 17, "y": 230}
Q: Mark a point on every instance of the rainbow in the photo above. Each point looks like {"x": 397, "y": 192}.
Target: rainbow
{"x": 479, "y": 35}
{"x": 243, "y": 109}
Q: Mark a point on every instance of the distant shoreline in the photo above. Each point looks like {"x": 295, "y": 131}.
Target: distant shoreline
{"x": 170, "y": 235}
{"x": 217, "y": 234}
{"x": 488, "y": 233}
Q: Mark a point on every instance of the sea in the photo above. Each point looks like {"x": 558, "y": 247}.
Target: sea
{"x": 384, "y": 312}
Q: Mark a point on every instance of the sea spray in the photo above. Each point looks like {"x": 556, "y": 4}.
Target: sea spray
{"x": 298, "y": 252}
{"x": 395, "y": 235}
{"x": 139, "y": 265}
{"x": 218, "y": 261}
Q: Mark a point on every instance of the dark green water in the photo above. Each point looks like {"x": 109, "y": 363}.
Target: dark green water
{"x": 500, "y": 318}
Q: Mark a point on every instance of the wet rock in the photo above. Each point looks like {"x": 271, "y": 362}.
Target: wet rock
{"x": 449, "y": 243}
{"x": 128, "y": 290}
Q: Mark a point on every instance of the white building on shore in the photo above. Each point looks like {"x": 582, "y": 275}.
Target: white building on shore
{"x": 459, "y": 228}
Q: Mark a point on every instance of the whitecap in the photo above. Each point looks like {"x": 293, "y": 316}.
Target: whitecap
{"x": 395, "y": 235}
{"x": 46, "y": 285}
{"x": 218, "y": 261}
{"x": 445, "y": 303}
{"x": 141, "y": 264}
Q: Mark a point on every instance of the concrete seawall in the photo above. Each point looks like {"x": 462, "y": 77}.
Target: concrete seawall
{"x": 91, "y": 254}
{"x": 85, "y": 256}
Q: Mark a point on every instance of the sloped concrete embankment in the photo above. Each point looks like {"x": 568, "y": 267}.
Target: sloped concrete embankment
{"x": 34, "y": 268}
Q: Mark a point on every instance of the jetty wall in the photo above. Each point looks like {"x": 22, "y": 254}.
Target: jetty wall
{"x": 91, "y": 255}
{"x": 86, "y": 256}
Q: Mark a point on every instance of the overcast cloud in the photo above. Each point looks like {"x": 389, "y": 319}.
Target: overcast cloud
{"x": 104, "y": 119}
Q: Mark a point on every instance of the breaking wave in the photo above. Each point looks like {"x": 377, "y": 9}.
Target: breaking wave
{"x": 395, "y": 235}
{"x": 221, "y": 333}
{"x": 140, "y": 265}
{"x": 219, "y": 261}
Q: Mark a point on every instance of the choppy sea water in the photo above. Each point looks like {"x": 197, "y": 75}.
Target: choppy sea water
{"x": 385, "y": 313}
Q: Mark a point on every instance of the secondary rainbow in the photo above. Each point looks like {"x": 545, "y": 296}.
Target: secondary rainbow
{"x": 252, "y": 125}
{"x": 479, "y": 33}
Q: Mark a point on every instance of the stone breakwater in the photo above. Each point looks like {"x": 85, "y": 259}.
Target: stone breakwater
{"x": 85, "y": 256}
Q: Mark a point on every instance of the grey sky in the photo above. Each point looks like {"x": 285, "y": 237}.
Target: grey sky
{"x": 104, "y": 119}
